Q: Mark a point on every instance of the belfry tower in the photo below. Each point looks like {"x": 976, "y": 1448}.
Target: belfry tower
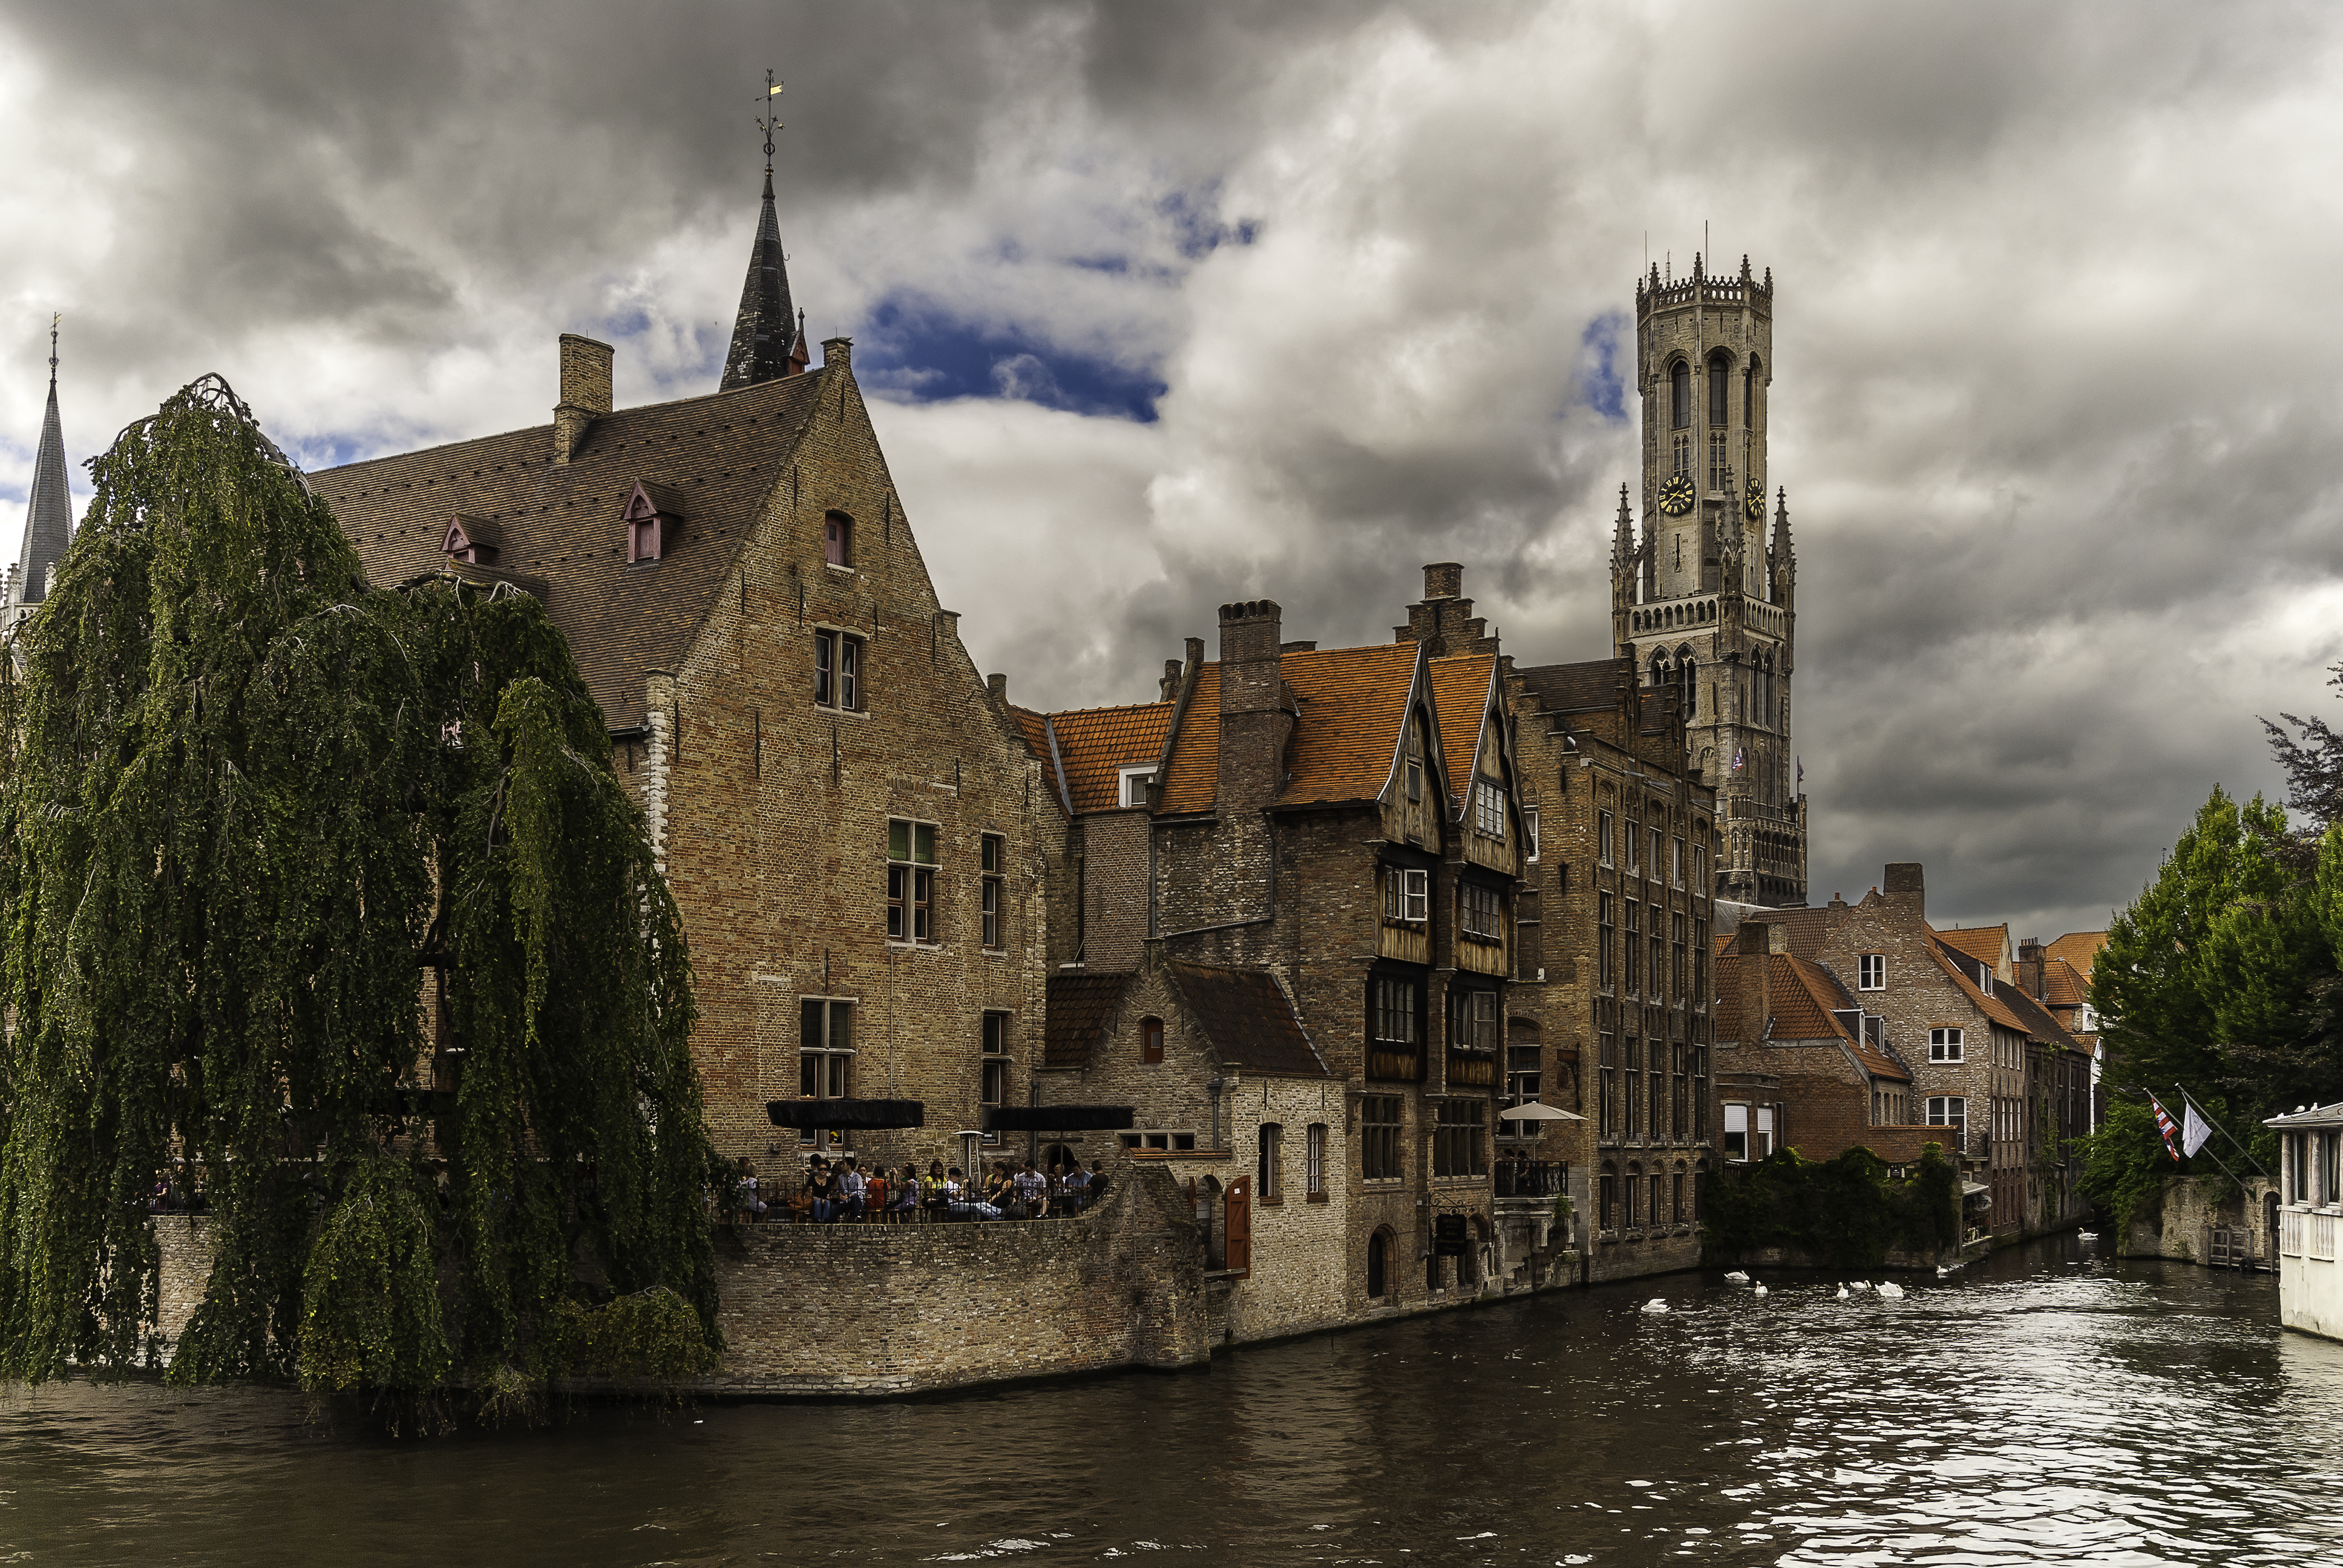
{"x": 1703, "y": 601}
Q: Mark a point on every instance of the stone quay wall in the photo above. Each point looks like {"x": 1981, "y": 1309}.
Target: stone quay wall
{"x": 2181, "y": 1228}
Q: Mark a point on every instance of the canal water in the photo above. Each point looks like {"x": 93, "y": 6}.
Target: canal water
{"x": 2046, "y": 1406}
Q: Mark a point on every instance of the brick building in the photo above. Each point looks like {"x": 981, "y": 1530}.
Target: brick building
{"x": 851, "y": 826}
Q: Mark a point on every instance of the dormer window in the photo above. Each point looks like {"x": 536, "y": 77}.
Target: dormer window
{"x": 652, "y": 517}
{"x": 471, "y": 540}
{"x": 838, "y": 539}
{"x": 1135, "y": 783}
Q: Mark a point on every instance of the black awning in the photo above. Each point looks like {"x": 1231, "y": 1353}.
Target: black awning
{"x": 869, "y": 1114}
{"x": 1059, "y": 1117}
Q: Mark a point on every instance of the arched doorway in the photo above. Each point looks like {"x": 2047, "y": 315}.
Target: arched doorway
{"x": 1378, "y": 1265}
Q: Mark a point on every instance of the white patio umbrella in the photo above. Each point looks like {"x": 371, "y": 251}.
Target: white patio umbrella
{"x": 1530, "y": 1110}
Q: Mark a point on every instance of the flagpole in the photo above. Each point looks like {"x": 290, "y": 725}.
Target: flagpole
{"x": 2224, "y": 1131}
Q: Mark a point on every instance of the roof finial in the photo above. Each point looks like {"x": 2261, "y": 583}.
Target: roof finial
{"x": 54, "y": 317}
{"x": 768, "y": 122}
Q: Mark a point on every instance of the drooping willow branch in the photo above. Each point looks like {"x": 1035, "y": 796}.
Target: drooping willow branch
{"x": 248, "y": 797}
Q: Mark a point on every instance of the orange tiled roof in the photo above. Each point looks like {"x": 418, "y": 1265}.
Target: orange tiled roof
{"x": 1460, "y": 699}
{"x": 1986, "y": 944}
{"x": 1803, "y": 997}
{"x": 1034, "y": 728}
{"x": 2079, "y": 949}
{"x": 2063, "y": 985}
{"x": 1352, "y": 703}
{"x": 1094, "y": 744}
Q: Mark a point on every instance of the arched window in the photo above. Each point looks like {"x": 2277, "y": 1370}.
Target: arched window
{"x": 1688, "y": 672}
{"x": 1379, "y": 1247}
{"x": 1719, "y": 380}
{"x": 1150, "y": 1040}
{"x": 838, "y": 539}
{"x": 1606, "y": 1206}
{"x": 1659, "y": 669}
{"x": 1680, "y": 393}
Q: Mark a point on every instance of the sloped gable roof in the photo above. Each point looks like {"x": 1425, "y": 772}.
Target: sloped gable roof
{"x": 1993, "y": 1007}
{"x": 1806, "y": 998}
{"x": 1588, "y": 687}
{"x": 2062, "y": 985}
{"x": 717, "y": 458}
{"x": 1986, "y": 944}
{"x": 1808, "y": 928}
{"x": 2079, "y": 949}
{"x": 1353, "y": 705}
{"x": 1248, "y": 1018}
{"x": 1094, "y": 744}
{"x": 1080, "y": 1006}
{"x": 1462, "y": 687}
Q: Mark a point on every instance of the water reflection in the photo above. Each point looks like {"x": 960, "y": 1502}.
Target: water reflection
{"x": 2044, "y": 1407}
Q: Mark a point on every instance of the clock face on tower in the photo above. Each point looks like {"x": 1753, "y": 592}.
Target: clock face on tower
{"x": 1753, "y": 501}
{"x": 1675, "y": 495}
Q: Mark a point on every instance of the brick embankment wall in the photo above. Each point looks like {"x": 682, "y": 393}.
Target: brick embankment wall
{"x": 185, "y": 1244}
{"x": 876, "y": 1309}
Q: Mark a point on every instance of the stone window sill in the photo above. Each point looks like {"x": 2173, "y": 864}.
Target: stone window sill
{"x": 1316, "y": 1198}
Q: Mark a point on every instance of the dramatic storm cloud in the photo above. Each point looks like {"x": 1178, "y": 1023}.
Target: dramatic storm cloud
{"x": 1174, "y": 304}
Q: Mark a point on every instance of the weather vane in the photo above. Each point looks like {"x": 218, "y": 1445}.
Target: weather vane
{"x": 767, "y": 122}
{"x": 55, "y": 316}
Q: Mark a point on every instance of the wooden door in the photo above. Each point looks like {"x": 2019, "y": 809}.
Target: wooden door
{"x": 1236, "y": 1226}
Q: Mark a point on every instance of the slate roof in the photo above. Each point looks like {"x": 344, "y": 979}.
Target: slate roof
{"x": 1094, "y": 744}
{"x": 1587, "y": 687}
{"x": 766, "y": 330}
{"x": 1809, "y": 929}
{"x": 719, "y": 457}
{"x": 2038, "y": 1022}
{"x": 48, "y": 509}
{"x": 1352, "y": 703}
{"x": 1080, "y": 1008}
{"x": 1986, "y": 944}
{"x": 1248, "y": 1018}
{"x": 1956, "y": 965}
{"x": 1461, "y": 689}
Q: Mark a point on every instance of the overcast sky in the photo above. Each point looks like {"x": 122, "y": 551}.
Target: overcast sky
{"x": 1171, "y": 303}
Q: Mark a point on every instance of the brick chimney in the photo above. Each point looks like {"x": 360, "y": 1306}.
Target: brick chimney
{"x": 1169, "y": 687}
{"x": 584, "y": 392}
{"x": 1754, "y": 946}
{"x": 1445, "y": 619}
{"x": 1255, "y": 722}
{"x": 1903, "y": 887}
{"x": 2029, "y": 967}
{"x": 995, "y": 686}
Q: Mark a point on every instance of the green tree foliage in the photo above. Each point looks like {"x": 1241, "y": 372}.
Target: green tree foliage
{"x": 268, "y": 826}
{"x": 2222, "y": 976}
{"x": 1847, "y": 1211}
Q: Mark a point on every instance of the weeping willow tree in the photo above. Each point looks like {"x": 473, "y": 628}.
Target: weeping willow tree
{"x": 324, "y": 902}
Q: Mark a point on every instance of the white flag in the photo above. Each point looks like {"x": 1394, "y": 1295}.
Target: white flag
{"x": 2194, "y": 1130}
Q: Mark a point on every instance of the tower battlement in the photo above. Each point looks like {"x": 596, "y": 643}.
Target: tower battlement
{"x": 1655, "y": 294}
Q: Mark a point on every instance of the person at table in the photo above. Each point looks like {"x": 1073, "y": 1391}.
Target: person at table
{"x": 1077, "y": 1187}
{"x": 819, "y": 1188}
{"x": 965, "y": 1204}
{"x": 750, "y": 1204}
{"x": 850, "y": 1189}
{"x": 1033, "y": 1191}
{"x": 931, "y": 1187}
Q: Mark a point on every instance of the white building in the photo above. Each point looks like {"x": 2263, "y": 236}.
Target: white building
{"x": 2310, "y": 1160}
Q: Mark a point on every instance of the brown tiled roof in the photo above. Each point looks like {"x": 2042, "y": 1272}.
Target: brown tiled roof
{"x": 1033, "y": 728}
{"x": 2038, "y": 1022}
{"x": 1986, "y": 944}
{"x": 1803, "y": 997}
{"x": 1246, "y": 1016}
{"x": 1808, "y": 928}
{"x": 1587, "y": 687}
{"x": 1460, "y": 699}
{"x": 1352, "y": 703}
{"x": 1993, "y": 1007}
{"x": 1094, "y": 743}
{"x": 2079, "y": 949}
{"x": 2063, "y": 985}
{"x": 1080, "y": 1006}
{"x": 717, "y": 458}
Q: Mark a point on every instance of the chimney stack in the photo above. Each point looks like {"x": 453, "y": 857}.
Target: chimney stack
{"x": 1169, "y": 688}
{"x": 996, "y": 688}
{"x": 584, "y": 392}
{"x": 1254, "y": 721}
{"x": 1905, "y": 886}
{"x": 2029, "y": 967}
{"x": 1754, "y": 945}
{"x": 1442, "y": 579}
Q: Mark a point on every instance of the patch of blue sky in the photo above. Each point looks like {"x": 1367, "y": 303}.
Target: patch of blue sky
{"x": 918, "y": 350}
{"x": 1196, "y": 224}
{"x": 1599, "y": 378}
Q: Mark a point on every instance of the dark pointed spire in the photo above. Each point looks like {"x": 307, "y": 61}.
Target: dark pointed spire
{"x": 1623, "y": 536}
{"x": 48, "y": 515}
{"x": 767, "y": 328}
{"x": 1781, "y": 521}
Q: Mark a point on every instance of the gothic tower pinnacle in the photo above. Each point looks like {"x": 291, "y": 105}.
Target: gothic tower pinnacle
{"x": 48, "y": 512}
{"x": 765, "y": 331}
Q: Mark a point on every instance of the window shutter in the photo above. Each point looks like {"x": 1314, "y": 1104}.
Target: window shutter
{"x": 1236, "y": 1226}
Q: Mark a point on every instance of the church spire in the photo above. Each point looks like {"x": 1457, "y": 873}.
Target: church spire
{"x": 766, "y": 330}
{"x": 48, "y": 515}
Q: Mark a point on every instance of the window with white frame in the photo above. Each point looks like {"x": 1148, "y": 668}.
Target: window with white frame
{"x": 1530, "y": 827}
{"x": 1736, "y": 1133}
{"x": 1488, "y": 809}
{"x": 1946, "y": 1045}
{"x": 1134, "y": 786}
{"x": 1407, "y": 895}
{"x": 1948, "y": 1111}
{"x": 1677, "y": 862}
{"x": 836, "y": 669}
{"x": 1872, "y": 971}
{"x": 1313, "y": 1163}
{"x": 1634, "y": 832}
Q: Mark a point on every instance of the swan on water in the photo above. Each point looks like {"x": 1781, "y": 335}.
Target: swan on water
{"x": 1892, "y": 1291}
{"x": 1736, "y": 1277}
{"x": 1761, "y": 1290}
{"x": 1859, "y": 1287}
{"x": 1842, "y": 1293}
{"x": 2086, "y": 1235}
{"x": 1656, "y": 1304}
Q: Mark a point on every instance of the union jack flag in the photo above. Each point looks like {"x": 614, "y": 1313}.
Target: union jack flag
{"x": 2164, "y": 1124}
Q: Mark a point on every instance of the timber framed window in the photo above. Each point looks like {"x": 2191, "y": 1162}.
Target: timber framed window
{"x": 1414, "y": 780}
{"x": 1676, "y": 969}
{"x": 1395, "y": 1027}
{"x": 1700, "y": 870}
{"x": 994, "y": 854}
{"x": 1679, "y": 1086}
{"x": 1381, "y": 1147}
{"x": 1407, "y": 895}
{"x": 994, "y": 1065}
{"x": 1699, "y": 1092}
{"x": 838, "y": 669}
{"x": 1871, "y": 972}
{"x": 1460, "y": 1139}
{"x": 1525, "y": 1077}
{"x": 910, "y": 881}
{"x": 1700, "y": 963}
{"x": 1472, "y": 1019}
{"x": 1634, "y": 838}
{"x": 1478, "y": 912}
{"x": 1488, "y": 809}
{"x": 825, "y": 1057}
{"x": 1948, "y": 1045}
{"x": 1607, "y": 1205}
